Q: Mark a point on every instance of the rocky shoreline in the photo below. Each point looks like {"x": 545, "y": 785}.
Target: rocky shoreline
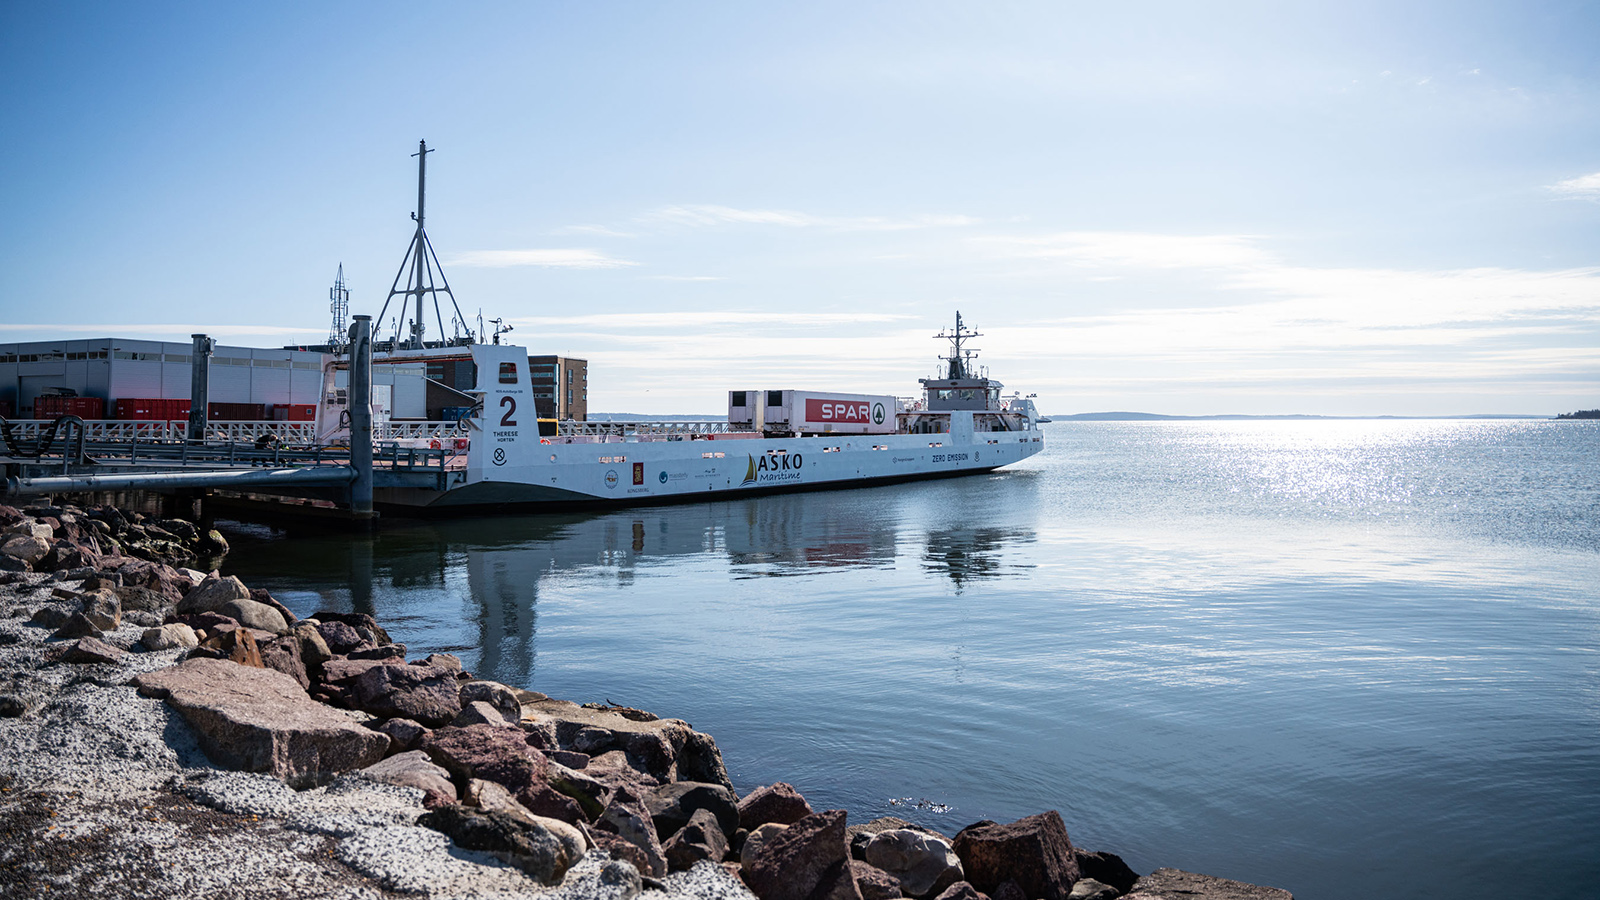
{"x": 168, "y": 732}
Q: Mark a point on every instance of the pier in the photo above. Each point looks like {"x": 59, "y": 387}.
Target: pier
{"x": 282, "y": 460}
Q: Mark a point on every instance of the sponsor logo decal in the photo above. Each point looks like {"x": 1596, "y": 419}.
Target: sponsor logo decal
{"x": 663, "y": 476}
{"x": 772, "y": 468}
{"x": 499, "y": 456}
{"x": 877, "y": 413}
{"x": 638, "y": 473}
{"x": 611, "y": 478}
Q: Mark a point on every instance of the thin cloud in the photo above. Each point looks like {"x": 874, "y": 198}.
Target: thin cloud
{"x": 708, "y": 214}
{"x": 599, "y": 230}
{"x": 555, "y": 259}
{"x": 185, "y": 330}
{"x": 1131, "y": 249}
{"x": 685, "y": 277}
{"x": 1585, "y": 186}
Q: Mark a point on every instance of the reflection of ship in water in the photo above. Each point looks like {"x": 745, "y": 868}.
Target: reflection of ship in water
{"x": 967, "y": 554}
{"x": 473, "y": 586}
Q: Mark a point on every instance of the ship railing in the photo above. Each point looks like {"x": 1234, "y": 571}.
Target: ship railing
{"x": 414, "y": 431}
{"x": 665, "y": 428}
{"x": 174, "y": 430}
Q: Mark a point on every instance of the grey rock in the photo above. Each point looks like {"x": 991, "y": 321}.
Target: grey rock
{"x": 212, "y": 594}
{"x": 251, "y": 614}
{"x": 629, "y": 821}
{"x": 525, "y": 845}
{"x": 700, "y": 839}
{"x": 427, "y": 694}
{"x": 168, "y": 637}
{"x": 495, "y": 694}
{"x": 77, "y": 625}
{"x": 924, "y": 864}
{"x": 26, "y": 547}
{"x": 404, "y": 734}
{"x": 413, "y": 769}
{"x": 1176, "y": 884}
{"x": 50, "y": 617}
{"x": 1089, "y": 889}
{"x": 671, "y": 806}
{"x": 479, "y": 712}
{"x": 1106, "y": 868}
{"x": 104, "y": 609}
{"x": 491, "y": 796}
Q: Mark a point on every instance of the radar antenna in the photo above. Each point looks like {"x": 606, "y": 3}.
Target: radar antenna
{"x": 959, "y": 357}
{"x": 423, "y": 265}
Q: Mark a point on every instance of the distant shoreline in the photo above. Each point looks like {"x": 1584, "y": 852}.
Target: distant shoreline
{"x": 1092, "y": 417}
{"x": 1159, "y": 417}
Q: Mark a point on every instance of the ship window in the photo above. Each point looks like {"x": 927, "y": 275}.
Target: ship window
{"x": 774, "y": 398}
{"x": 944, "y": 395}
{"x": 508, "y": 373}
{"x": 966, "y": 394}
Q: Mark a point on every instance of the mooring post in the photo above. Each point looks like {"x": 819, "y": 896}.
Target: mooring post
{"x": 199, "y": 385}
{"x": 360, "y": 406}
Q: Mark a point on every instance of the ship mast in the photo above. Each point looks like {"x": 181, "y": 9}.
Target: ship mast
{"x": 423, "y": 265}
{"x": 959, "y": 357}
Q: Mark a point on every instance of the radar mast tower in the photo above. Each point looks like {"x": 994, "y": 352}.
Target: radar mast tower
{"x": 339, "y": 305}
{"x": 426, "y": 278}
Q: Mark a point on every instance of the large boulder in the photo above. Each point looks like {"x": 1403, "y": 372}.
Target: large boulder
{"x": 1035, "y": 852}
{"x": 808, "y": 860}
{"x": 212, "y": 594}
{"x": 259, "y": 720}
{"x": 501, "y": 698}
{"x": 778, "y": 802}
{"x": 626, "y": 817}
{"x": 414, "y": 769}
{"x": 924, "y": 864}
{"x": 251, "y": 614}
{"x": 104, "y": 609}
{"x": 874, "y": 883}
{"x": 283, "y": 654}
{"x": 490, "y": 796}
{"x": 1106, "y": 868}
{"x": 501, "y": 755}
{"x": 427, "y": 694}
{"x": 25, "y": 547}
{"x": 671, "y": 806}
{"x": 524, "y": 844}
{"x": 1089, "y": 889}
{"x": 1176, "y": 884}
{"x": 700, "y": 839}
{"x": 670, "y": 749}
{"x": 168, "y": 637}
{"x": 158, "y": 578}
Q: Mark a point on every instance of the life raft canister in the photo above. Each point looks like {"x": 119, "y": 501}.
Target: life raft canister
{"x": 434, "y": 444}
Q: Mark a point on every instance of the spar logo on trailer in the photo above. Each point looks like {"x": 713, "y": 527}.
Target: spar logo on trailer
{"x": 771, "y": 468}
{"x": 843, "y": 411}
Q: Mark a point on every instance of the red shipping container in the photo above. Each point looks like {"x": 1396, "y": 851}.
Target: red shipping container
{"x": 5, "y": 409}
{"x": 294, "y": 412}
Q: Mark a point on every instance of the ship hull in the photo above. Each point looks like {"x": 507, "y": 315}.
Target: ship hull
{"x": 637, "y": 473}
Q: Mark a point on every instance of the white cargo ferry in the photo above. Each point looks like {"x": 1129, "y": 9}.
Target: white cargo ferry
{"x": 773, "y": 440}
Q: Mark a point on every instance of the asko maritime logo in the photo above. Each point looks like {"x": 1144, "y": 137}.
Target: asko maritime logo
{"x": 771, "y": 468}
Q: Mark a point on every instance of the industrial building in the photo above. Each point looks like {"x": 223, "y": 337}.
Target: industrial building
{"x": 113, "y": 369}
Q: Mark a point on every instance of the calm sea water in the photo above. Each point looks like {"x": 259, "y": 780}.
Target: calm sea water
{"x": 1349, "y": 658}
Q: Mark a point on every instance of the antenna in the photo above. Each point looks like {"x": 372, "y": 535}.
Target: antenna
{"x": 423, "y": 265}
{"x": 339, "y": 305}
{"x": 959, "y": 356}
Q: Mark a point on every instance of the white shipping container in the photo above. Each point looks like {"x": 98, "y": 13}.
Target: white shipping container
{"x": 821, "y": 412}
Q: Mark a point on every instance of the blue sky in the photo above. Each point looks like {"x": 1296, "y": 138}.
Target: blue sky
{"x": 1342, "y": 208}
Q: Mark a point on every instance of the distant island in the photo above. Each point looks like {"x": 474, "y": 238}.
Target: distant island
{"x": 1158, "y": 417}
{"x": 1581, "y": 414}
